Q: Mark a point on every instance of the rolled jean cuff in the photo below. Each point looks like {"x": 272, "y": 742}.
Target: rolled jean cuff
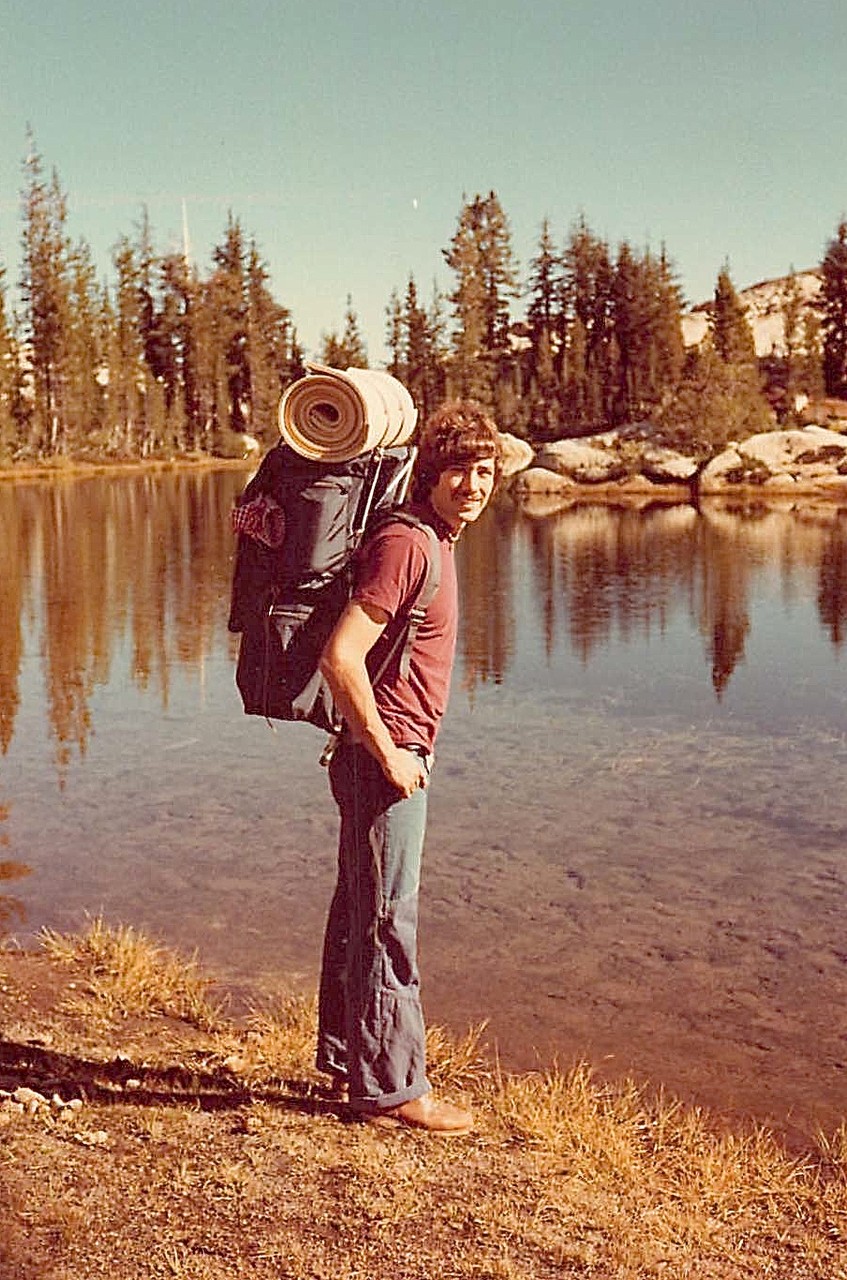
{"x": 372, "y": 1106}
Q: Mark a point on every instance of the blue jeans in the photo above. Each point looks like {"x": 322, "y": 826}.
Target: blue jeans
{"x": 370, "y": 1022}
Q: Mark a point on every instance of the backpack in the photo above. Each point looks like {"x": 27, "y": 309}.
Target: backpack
{"x": 300, "y": 524}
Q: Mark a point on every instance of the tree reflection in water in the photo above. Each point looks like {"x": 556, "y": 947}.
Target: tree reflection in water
{"x": 96, "y": 565}
{"x": 600, "y": 570}
{"x": 832, "y": 586}
{"x": 485, "y": 568}
{"x": 12, "y": 910}
{"x": 99, "y": 561}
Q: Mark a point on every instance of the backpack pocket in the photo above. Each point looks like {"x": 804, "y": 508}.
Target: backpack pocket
{"x": 278, "y": 674}
{"x": 318, "y": 528}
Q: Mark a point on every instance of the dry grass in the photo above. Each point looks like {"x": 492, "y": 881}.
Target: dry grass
{"x": 278, "y": 1041}
{"x": 566, "y": 1176}
{"x": 673, "y": 1184}
{"x": 125, "y": 972}
{"x": 458, "y": 1063}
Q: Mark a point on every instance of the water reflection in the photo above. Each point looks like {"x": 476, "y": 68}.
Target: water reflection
{"x": 598, "y": 571}
{"x": 486, "y": 567}
{"x": 144, "y": 561}
{"x": 832, "y": 586}
{"x": 12, "y": 910}
{"x": 96, "y": 563}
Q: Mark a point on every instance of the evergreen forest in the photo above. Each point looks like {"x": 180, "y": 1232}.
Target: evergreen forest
{"x": 163, "y": 361}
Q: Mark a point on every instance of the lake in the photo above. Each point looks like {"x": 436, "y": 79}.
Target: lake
{"x": 637, "y": 849}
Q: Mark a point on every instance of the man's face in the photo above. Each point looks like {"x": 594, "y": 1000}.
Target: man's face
{"x": 461, "y": 492}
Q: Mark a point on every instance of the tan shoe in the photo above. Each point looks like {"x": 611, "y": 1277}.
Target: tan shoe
{"x": 425, "y": 1113}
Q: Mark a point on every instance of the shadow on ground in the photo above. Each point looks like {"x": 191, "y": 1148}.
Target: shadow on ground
{"x": 121, "y": 1080}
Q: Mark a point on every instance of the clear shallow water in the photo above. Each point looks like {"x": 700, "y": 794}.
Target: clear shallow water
{"x": 637, "y": 850}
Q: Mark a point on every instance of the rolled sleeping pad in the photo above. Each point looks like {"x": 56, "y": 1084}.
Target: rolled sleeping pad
{"x": 400, "y": 407}
{"x": 332, "y": 415}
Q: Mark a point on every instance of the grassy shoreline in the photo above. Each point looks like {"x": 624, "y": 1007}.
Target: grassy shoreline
{"x": 214, "y": 1139}
{"x": 77, "y": 468}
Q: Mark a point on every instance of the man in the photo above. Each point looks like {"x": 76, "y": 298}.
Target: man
{"x": 371, "y": 1035}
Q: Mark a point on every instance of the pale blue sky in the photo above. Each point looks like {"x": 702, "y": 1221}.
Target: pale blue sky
{"x": 344, "y": 135}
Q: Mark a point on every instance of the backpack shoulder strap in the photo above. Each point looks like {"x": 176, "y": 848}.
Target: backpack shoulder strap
{"x": 416, "y": 613}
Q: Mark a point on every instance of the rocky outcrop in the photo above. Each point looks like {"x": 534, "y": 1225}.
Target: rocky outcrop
{"x": 829, "y": 411}
{"x": 517, "y": 454}
{"x": 627, "y": 462}
{"x": 544, "y": 480}
{"x": 810, "y": 459}
{"x": 583, "y": 461}
{"x": 541, "y": 492}
{"x": 626, "y": 458}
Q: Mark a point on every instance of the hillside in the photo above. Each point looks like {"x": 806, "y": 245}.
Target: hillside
{"x": 763, "y": 302}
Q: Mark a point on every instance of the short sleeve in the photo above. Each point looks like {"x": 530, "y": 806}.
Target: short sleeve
{"x": 392, "y": 569}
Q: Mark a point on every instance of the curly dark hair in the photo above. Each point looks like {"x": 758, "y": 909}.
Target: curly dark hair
{"x": 458, "y": 432}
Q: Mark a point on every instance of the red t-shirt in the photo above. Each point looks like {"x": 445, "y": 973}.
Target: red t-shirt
{"x": 391, "y": 572}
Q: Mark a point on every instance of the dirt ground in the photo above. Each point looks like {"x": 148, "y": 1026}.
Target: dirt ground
{"x": 151, "y": 1150}
{"x": 171, "y": 1168}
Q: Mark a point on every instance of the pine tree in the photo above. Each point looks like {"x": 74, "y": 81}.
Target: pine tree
{"x": 732, "y": 336}
{"x": 668, "y": 343}
{"x": 150, "y": 428}
{"x": 10, "y": 380}
{"x": 128, "y": 375}
{"x": 480, "y": 255}
{"x": 545, "y": 274}
{"x": 719, "y": 397}
{"x": 355, "y": 353}
{"x": 588, "y": 297}
{"x": 791, "y": 307}
{"x": 545, "y": 288}
{"x": 228, "y": 302}
{"x": 146, "y": 271}
{"x": 630, "y": 320}
{"x": 810, "y": 377}
{"x": 296, "y": 366}
{"x": 417, "y": 346}
{"x": 394, "y": 336}
{"x": 418, "y": 355}
{"x": 85, "y": 360}
{"x": 331, "y": 351}
{"x": 469, "y": 375}
{"x": 438, "y": 352}
{"x": 176, "y": 351}
{"x": 647, "y": 329}
{"x": 716, "y": 402}
{"x": 144, "y": 411}
{"x": 834, "y": 302}
{"x": 270, "y": 348}
{"x": 45, "y": 292}
{"x": 348, "y": 351}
